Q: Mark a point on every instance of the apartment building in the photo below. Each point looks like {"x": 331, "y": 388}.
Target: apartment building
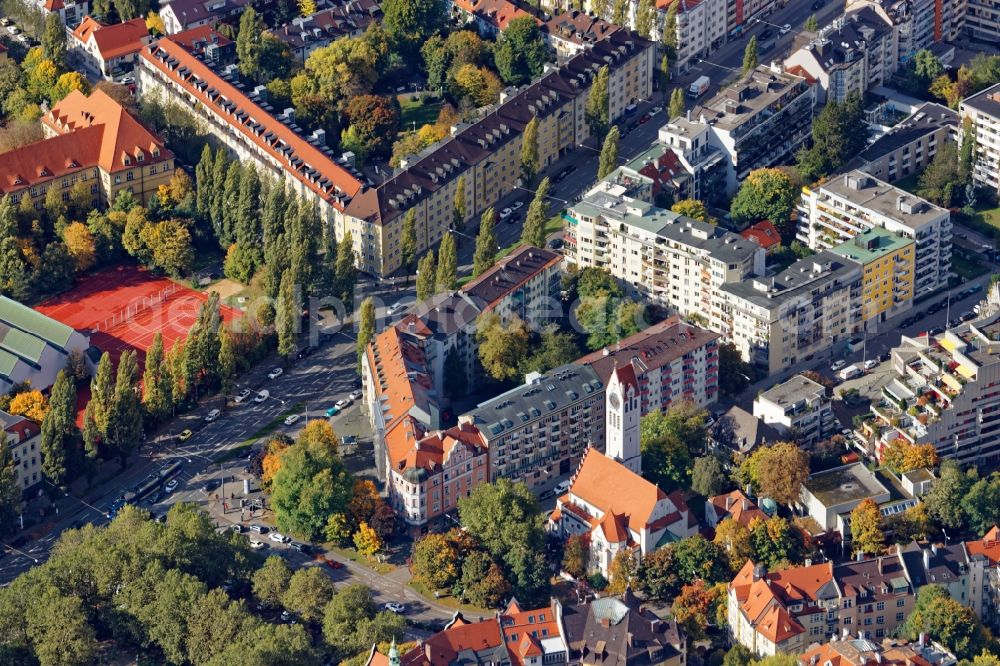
{"x": 109, "y": 50}
{"x": 759, "y": 121}
{"x": 429, "y": 472}
{"x": 985, "y": 554}
{"x": 305, "y": 34}
{"x": 856, "y": 52}
{"x": 699, "y": 30}
{"x": 90, "y": 139}
{"x": 798, "y": 408}
{"x": 488, "y": 153}
{"x": 488, "y": 17}
{"x": 912, "y": 22}
{"x": 619, "y": 511}
{"x": 524, "y": 284}
{"x": 71, "y": 12}
{"x": 887, "y": 271}
{"x": 572, "y": 32}
{"x": 24, "y": 443}
{"x": 183, "y": 15}
{"x": 849, "y": 204}
{"x": 982, "y": 20}
{"x": 540, "y": 430}
{"x": 656, "y": 253}
{"x": 805, "y": 309}
{"x": 785, "y": 611}
{"x": 983, "y": 110}
{"x": 944, "y": 393}
{"x": 848, "y": 650}
{"x": 910, "y": 146}
{"x": 733, "y": 505}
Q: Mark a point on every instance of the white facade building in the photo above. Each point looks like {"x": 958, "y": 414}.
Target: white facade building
{"x": 983, "y": 110}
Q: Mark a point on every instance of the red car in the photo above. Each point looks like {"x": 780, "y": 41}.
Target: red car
{"x": 644, "y": 119}
{"x": 333, "y": 564}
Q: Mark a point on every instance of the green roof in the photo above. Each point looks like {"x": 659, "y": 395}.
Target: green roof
{"x": 34, "y": 323}
{"x": 23, "y": 344}
{"x": 7, "y": 363}
{"x": 871, "y": 245}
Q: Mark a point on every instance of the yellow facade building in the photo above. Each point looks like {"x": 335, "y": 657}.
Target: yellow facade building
{"x": 887, "y": 274}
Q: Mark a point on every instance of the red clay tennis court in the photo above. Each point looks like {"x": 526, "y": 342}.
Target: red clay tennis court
{"x": 123, "y": 308}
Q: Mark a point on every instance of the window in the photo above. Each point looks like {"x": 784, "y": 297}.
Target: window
{"x": 899, "y": 617}
{"x": 130, "y": 176}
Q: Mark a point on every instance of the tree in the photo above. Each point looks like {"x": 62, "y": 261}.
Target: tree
{"x": 667, "y": 440}
{"x": 170, "y": 245}
{"x": 737, "y": 655}
{"x": 901, "y": 456}
{"x": 501, "y": 348}
{"x": 436, "y": 561}
{"x": 608, "y": 161}
{"x": 504, "y": 518}
{"x": 479, "y": 84}
{"x": 811, "y": 24}
{"x": 447, "y": 268}
{"x": 483, "y": 583}
{"x": 619, "y": 12}
{"x": 54, "y": 40}
{"x": 309, "y": 591}
{"x": 950, "y": 622}
{"x": 695, "y": 607}
{"x": 657, "y": 575}
{"x": 31, "y": 404}
{"x": 311, "y": 483}
{"x": 734, "y": 538}
{"x": 839, "y": 133}
{"x": 766, "y": 194}
{"x": 286, "y": 315}
{"x": 533, "y": 232}
{"x": 57, "y": 626}
{"x": 750, "y": 58}
{"x": 351, "y": 623}
{"x": 307, "y": 7}
{"x": 644, "y": 16}
{"x": 529, "y": 150}
{"x": 366, "y": 328}
{"x": 459, "y": 207}
{"x": 576, "y": 556}
{"x": 270, "y": 582}
{"x": 622, "y": 572}
{"x": 248, "y": 42}
{"x": 10, "y": 489}
{"x": 982, "y": 504}
{"x": 699, "y": 559}
{"x": 408, "y": 244}
{"x": 426, "y": 277}
{"x": 124, "y": 430}
{"x": 227, "y": 360}
{"x": 486, "y": 244}
{"x": 775, "y": 542}
{"x": 707, "y": 477}
{"x": 155, "y": 25}
{"x": 735, "y": 374}
{"x": 669, "y": 34}
{"x": 347, "y": 272}
{"x": 375, "y": 119}
{"x": 58, "y": 427}
{"x": 779, "y": 470}
{"x": 677, "y": 104}
{"x": 67, "y": 83}
{"x": 942, "y": 181}
{"x": 556, "y": 348}
{"x": 520, "y": 52}
{"x": 156, "y": 381}
{"x": 409, "y": 23}
{"x": 866, "y": 528}
{"x": 691, "y": 208}
{"x": 367, "y": 541}
{"x": 945, "y": 499}
{"x": 597, "y": 108}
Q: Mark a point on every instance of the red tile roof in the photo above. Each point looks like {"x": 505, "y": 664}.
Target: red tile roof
{"x": 764, "y": 233}
{"x": 113, "y": 41}
{"x": 304, "y": 161}
{"x": 51, "y": 158}
{"x": 988, "y": 546}
{"x": 496, "y": 12}
{"x": 610, "y": 486}
{"x": 523, "y": 630}
{"x": 124, "y": 136}
{"x": 737, "y": 506}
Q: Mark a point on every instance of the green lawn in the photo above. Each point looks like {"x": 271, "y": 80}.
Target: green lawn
{"x": 354, "y": 556}
{"x": 412, "y": 111}
{"x": 909, "y": 183}
{"x": 446, "y": 599}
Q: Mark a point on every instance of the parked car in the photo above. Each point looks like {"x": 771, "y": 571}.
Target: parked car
{"x": 332, "y": 411}
{"x": 4, "y": 21}
{"x": 870, "y": 363}
{"x": 517, "y": 205}
{"x": 241, "y": 396}
{"x": 975, "y": 289}
{"x": 967, "y": 315}
{"x": 354, "y": 395}
{"x": 398, "y": 306}
{"x": 286, "y": 616}
{"x": 561, "y": 176}
{"x": 256, "y": 545}
{"x": 818, "y": 4}
{"x": 237, "y": 528}
{"x": 837, "y": 365}
{"x": 259, "y": 529}
{"x": 505, "y": 213}
{"x": 300, "y": 547}
{"x": 766, "y": 34}
{"x": 396, "y": 608}
{"x": 343, "y": 403}
{"x": 278, "y": 537}
{"x": 171, "y": 485}
{"x": 333, "y": 564}
{"x": 644, "y": 119}
{"x": 655, "y": 110}
{"x": 262, "y": 396}
{"x": 212, "y": 415}
{"x": 555, "y": 243}
{"x": 785, "y": 29}
{"x": 274, "y": 374}
{"x": 291, "y": 419}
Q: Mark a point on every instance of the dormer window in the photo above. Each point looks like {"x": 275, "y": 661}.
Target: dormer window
{"x": 140, "y": 157}
{"x": 127, "y": 161}
{"x": 156, "y": 152}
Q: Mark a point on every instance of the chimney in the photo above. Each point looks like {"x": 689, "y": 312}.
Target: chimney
{"x": 729, "y": 502}
{"x": 923, "y": 639}
{"x": 927, "y": 559}
{"x": 879, "y": 566}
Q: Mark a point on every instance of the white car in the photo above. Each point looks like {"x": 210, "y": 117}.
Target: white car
{"x": 655, "y": 110}
{"x": 274, "y": 374}
{"x": 871, "y": 363}
{"x": 343, "y": 403}
{"x": 785, "y": 29}
{"x": 505, "y": 213}
{"x": 354, "y": 395}
{"x": 517, "y": 205}
{"x": 241, "y": 396}
{"x": 212, "y": 415}
{"x": 398, "y": 306}
{"x": 262, "y": 396}
{"x": 127, "y": 80}
{"x": 396, "y": 608}
{"x": 291, "y": 419}
{"x": 171, "y": 485}
{"x": 837, "y": 365}
{"x": 256, "y": 545}
{"x": 278, "y": 537}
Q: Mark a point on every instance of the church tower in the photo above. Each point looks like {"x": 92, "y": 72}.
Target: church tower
{"x": 622, "y": 411}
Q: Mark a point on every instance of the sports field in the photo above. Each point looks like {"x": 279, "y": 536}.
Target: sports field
{"x": 123, "y": 308}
